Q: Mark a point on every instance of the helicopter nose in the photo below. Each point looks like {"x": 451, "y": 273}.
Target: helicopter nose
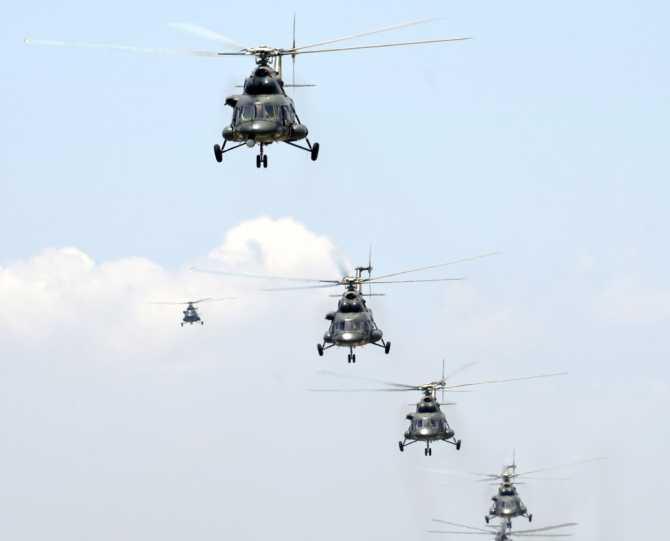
{"x": 350, "y": 336}
{"x": 258, "y": 128}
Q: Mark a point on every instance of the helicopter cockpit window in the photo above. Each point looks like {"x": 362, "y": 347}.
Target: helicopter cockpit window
{"x": 419, "y": 423}
{"x": 247, "y": 113}
{"x": 269, "y": 111}
{"x": 339, "y": 325}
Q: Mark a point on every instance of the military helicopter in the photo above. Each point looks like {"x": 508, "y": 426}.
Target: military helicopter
{"x": 352, "y": 325}
{"x": 502, "y": 532}
{"x": 263, "y": 114}
{"x": 507, "y": 503}
{"x": 428, "y": 423}
{"x": 190, "y": 314}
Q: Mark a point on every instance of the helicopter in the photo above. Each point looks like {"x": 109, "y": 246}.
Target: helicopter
{"x": 263, "y": 114}
{"x": 507, "y": 503}
{"x": 428, "y": 423}
{"x": 352, "y": 325}
{"x": 190, "y": 313}
{"x": 502, "y": 532}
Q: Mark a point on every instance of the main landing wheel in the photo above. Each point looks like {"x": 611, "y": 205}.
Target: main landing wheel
{"x": 218, "y": 153}
{"x": 458, "y": 445}
{"x": 202, "y": 323}
{"x": 530, "y": 517}
{"x": 258, "y": 161}
{"x": 265, "y": 161}
{"x": 182, "y": 324}
{"x": 486, "y": 518}
{"x": 319, "y": 349}
{"x": 401, "y": 446}
{"x": 387, "y": 347}
{"x": 314, "y": 153}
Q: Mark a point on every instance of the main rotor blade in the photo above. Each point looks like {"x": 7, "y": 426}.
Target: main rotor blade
{"x": 399, "y": 44}
{"x": 363, "y": 34}
{"x": 452, "y": 532}
{"x": 404, "y": 386}
{"x": 544, "y": 536}
{"x": 203, "y": 32}
{"x": 299, "y": 288}
{"x": 265, "y": 276}
{"x": 413, "y": 281}
{"x": 546, "y": 528}
{"x": 458, "y": 370}
{"x": 505, "y": 380}
{"x": 362, "y": 390}
{"x": 453, "y": 262}
{"x": 577, "y": 463}
{"x": 475, "y": 528}
{"x": 128, "y": 48}
{"x": 217, "y": 299}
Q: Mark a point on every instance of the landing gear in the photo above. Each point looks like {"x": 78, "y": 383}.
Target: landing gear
{"x": 314, "y": 152}
{"x": 387, "y": 347}
{"x": 313, "y": 149}
{"x": 202, "y": 322}
{"x": 486, "y": 518}
{"x": 530, "y": 517}
{"x": 351, "y": 358}
{"x": 220, "y": 150}
{"x": 218, "y": 153}
{"x": 262, "y": 158}
{"x": 458, "y": 445}
{"x": 401, "y": 446}
{"x": 319, "y": 349}
{"x": 182, "y": 324}
{"x": 428, "y": 451}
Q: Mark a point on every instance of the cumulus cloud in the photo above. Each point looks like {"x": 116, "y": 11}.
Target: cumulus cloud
{"x": 62, "y": 295}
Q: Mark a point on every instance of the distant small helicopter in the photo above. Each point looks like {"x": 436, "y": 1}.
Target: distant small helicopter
{"x": 190, "y": 314}
{"x": 502, "y": 531}
{"x": 428, "y": 422}
{"x": 352, "y": 325}
{"x": 507, "y": 503}
{"x": 263, "y": 114}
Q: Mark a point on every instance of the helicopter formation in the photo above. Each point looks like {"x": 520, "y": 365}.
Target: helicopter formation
{"x": 264, "y": 114}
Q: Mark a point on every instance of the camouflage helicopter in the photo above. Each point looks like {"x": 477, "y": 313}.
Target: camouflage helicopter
{"x": 190, "y": 313}
{"x": 502, "y": 532}
{"x": 352, "y": 325}
{"x": 263, "y": 114}
{"x": 507, "y": 503}
{"x": 428, "y": 423}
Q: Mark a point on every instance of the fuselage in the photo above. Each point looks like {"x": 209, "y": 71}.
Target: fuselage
{"x": 428, "y": 423}
{"x": 263, "y": 113}
{"x": 352, "y": 324}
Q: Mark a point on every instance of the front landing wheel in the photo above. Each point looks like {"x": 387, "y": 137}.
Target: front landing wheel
{"x": 265, "y": 161}
{"x": 314, "y": 153}
{"x": 218, "y": 153}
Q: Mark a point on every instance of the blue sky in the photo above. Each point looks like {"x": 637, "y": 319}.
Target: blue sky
{"x": 543, "y": 137}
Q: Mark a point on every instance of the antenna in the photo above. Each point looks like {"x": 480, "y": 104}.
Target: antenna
{"x": 293, "y": 55}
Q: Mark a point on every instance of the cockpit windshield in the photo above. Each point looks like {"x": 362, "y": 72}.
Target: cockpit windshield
{"x": 255, "y": 111}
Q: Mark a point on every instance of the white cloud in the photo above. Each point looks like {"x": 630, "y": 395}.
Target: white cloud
{"x": 62, "y": 295}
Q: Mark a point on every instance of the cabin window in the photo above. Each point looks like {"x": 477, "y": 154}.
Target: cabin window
{"x": 248, "y": 113}
{"x": 419, "y": 423}
{"x": 340, "y": 325}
